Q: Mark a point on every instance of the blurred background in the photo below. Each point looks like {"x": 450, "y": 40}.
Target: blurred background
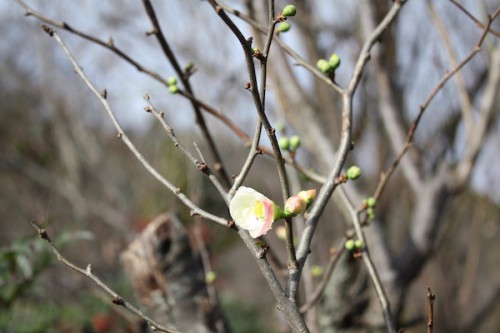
{"x": 62, "y": 166}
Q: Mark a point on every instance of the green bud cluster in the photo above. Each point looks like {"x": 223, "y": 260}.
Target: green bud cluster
{"x": 370, "y": 204}
{"x": 290, "y": 144}
{"x": 172, "y": 85}
{"x": 354, "y": 245}
{"x": 329, "y": 66}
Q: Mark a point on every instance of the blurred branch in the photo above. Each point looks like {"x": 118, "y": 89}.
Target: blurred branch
{"x": 320, "y": 288}
{"x": 108, "y": 45}
{"x": 121, "y": 135}
{"x": 423, "y": 107}
{"x": 117, "y": 299}
{"x": 160, "y": 36}
{"x": 473, "y": 18}
{"x": 466, "y": 105}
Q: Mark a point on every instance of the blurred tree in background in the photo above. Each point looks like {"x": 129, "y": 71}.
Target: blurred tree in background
{"x": 429, "y": 160}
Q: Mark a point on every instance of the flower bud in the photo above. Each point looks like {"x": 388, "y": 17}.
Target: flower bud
{"x": 284, "y": 143}
{"x": 294, "y": 143}
{"x": 353, "y": 172}
{"x": 295, "y": 205}
{"x": 174, "y": 89}
{"x": 284, "y": 27}
{"x": 334, "y": 61}
{"x": 189, "y": 67}
{"x": 210, "y": 277}
{"x": 358, "y": 244}
{"x": 316, "y": 271}
{"x": 289, "y": 10}
{"x": 371, "y": 202}
{"x": 171, "y": 81}
{"x": 308, "y": 196}
{"x": 324, "y": 66}
{"x": 349, "y": 245}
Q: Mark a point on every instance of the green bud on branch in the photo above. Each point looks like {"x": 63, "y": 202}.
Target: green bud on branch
{"x": 334, "y": 61}
{"x": 294, "y": 142}
{"x": 353, "y": 172}
{"x": 289, "y": 10}
{"x": 284, "y": 27}
{"x": 284, "y": 143}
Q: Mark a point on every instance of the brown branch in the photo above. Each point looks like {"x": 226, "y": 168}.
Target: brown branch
{"x": 160, "y": 36}
{"x": 123, "y": 136}
{"x": 385, "y": 176}
{"x": 431, "y": 298}
{"x": 116, "y": 298}
{"x": 201, "y": 165}
{"x": 108, "y": 45}
{"x": 473, "y": 18}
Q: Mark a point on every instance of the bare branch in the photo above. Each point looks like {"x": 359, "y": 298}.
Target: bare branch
{"x": 157, "y": 31}
{"x": 116, "y": 298}
{"x": 122, "y": 135}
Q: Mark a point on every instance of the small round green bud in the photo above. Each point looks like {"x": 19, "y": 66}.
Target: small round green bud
{"x": 284, "y": 143}
{"x": 172, "y": 81}
{"x": 324, "y": 66}
{"x": 316, "y": 271}
{"x": 189, "y": 67}
{"x": 289, "y": 10}
{"x": 353, "y": 172}
{"x": 174, "y": 89}
{"x": 210, "y": 277}
{"x": 370, "y": 213}
{"x": 294, "y": 142}
{"x": 358, "y": 244}
{"x": 371, "y": 202}
{"x": 284, "y": 27}
{"x": 349, "y": 245}
{"x": 334, "y": 61}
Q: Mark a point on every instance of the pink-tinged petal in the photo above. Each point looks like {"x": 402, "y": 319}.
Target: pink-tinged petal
{"x": 268, "y": 215}
{"x": 244, "y": 213}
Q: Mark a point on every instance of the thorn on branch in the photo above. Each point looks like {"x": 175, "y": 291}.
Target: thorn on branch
{"x": 104, "y": 93}
{"x": 48, "y": 30}
{"x": 119, "y": 135}
{"x": 248, "y": 86}
{"x": 148, "y": 108}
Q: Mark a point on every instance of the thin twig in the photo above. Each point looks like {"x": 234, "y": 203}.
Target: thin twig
{"x": 116, "y": 298}
{"x": 431, "y": 298}
{"x": 386, "y": 175}
{"x": 108, "y": 45}
{"x": 473, "y": 18}
{"x": 160, "y": 36}
{"x": 300, "y": 61}
{"x": 123, "y": 136}
{"x": 201, "y": 165}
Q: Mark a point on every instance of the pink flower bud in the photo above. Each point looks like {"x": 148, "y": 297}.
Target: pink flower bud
{"x": 308, "y": 196}
{"x": 295, "y": 205}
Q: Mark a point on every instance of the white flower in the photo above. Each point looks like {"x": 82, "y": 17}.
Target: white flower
{"x": 253, "y": 211}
